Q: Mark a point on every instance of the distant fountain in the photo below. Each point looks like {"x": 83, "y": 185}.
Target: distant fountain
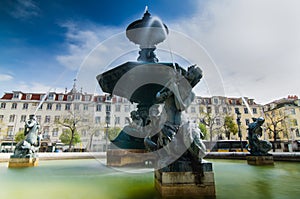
{"x": 25, "y": 153}
{"x": 165, "y": 137}
{"x": 258, "y": 148}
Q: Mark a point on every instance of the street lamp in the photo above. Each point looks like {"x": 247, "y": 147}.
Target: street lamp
{"x": 107, "y": 120}
{"x": 238, "y": 121}
{"x": 14, "y": 129}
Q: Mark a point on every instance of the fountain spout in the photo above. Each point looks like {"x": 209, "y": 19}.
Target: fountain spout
{"x": 147, "y": 33}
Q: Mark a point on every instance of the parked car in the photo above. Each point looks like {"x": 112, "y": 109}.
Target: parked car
{"x": 7, "y": 146}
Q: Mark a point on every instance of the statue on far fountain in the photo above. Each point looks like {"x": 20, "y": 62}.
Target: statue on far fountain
{"x": 255, "y": 145}
{"x": 28, "y": 147}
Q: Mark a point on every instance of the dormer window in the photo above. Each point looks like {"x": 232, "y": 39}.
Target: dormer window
{"x": 108, "y": 98}
{"x": 77, "y": 96}
{"x": 69, "y": 98}
{"x": 28, "y": 96}
{"x": 87, "y": 98}
{"x": 51, "y": 96}
{"x": 99, "y": 99}
{"x": 216, "y": 101}
{"x": 16, "y": 95}
{"x": 61, "y": 97}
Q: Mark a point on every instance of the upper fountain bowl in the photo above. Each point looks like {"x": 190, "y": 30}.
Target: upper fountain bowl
{"x": 147, "y": 32}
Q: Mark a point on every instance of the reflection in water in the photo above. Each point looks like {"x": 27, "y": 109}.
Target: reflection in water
{"x": 76, "y": 179}
{"x": 236, "y": 179}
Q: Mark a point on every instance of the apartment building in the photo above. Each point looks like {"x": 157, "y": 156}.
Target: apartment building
{"x": 217, "y": 107}
{"x": 16, "y": 106}
{"x": 92, "y": 110}
{"x": 283, "y": 117}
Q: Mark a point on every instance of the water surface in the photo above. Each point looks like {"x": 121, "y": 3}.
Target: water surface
{"x": 89, "y": 179}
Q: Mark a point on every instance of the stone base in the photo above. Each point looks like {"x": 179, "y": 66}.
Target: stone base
{"x": 124, "y": 157}
{"x": 199, "y": 184}
{"x": 260, "y": 160}
{"x": 22, "y": 162}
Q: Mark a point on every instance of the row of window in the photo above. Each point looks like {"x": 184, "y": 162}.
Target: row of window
{"x": 75, "y": 97}
{"x": 46, "y": 132}
{"x": 246, "y": 110}
{"x": 49, "y": 106}
{"x": 51, "y": 96}
{"x": 217, "y": 101}
{"x": 224, "y": 109}
{"x": 218, "y": 121}
{"x": 47, "y": 119}
{"x": 58, "y": 107}
{"x": 293, "y": 122}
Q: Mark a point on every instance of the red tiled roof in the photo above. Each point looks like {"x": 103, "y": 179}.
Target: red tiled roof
{"x": 23, "y": 97}
{"x": 36, "y": 97}
{"x": 7, "y": 96}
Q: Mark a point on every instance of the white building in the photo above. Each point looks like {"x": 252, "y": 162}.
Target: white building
{"x": 217, "y": 107}
{"x": 15, "y": 107}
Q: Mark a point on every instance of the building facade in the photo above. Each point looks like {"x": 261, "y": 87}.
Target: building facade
{"x": 212, "y": 111}
{"x": 282, "y": 122}
{"x": 97, "y": 112}
{"x": 90, "y": 110}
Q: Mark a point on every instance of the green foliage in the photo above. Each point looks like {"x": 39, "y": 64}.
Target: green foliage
{"x": 66, "y": 136}
{"x": 203, "y": 129}
{"x": 112, "y": 133}
{"x": 230, "y": 126}
{"x": 19, "y": 136}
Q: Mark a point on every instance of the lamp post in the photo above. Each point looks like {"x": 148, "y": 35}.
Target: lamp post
{"x": 13, "y": 136}
{"x": 107, "y": 120}
{"x": 238, "y": 121}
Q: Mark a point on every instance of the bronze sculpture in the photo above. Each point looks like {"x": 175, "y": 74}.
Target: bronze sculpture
{"x": 151, "y": 84}
{"x": 28, "y": 147}
{"x": 255, "y": 145}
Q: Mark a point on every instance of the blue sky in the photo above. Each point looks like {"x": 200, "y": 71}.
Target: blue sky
{"x": 33, "y": 33}
{"x": 254, "y": 45}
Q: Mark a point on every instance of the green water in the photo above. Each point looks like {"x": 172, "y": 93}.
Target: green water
{"x": 89, "y": 179}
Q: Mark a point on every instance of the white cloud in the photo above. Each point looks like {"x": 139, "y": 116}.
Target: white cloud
{"x": 28, "y": 86}
{"x": 91, "y": 49}
{"x": 37, "y": 87}
{"x": 5, "y": 77}
{"x": 255, "y": 43}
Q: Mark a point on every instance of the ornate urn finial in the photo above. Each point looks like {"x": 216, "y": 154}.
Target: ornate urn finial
{"x": 147, "y": 33}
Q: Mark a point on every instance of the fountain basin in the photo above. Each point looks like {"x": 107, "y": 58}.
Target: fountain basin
{"x": 138, "y": 82}
{"x": 92, "y": 179}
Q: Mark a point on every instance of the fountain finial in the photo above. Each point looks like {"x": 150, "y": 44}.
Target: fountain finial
{"x": 147, "y": 33}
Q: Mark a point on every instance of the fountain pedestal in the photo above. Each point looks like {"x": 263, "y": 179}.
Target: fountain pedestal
{"x": 188, "y": 184}
{"x": 260, "y": 160}
{"x": 23, "y": 162}
{"x": 119, "y": 157}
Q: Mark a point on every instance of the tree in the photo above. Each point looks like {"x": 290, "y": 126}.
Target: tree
{"x": 230, "y": 126}
{"x": 3, "y": 128}
{"x": 210, "y": 121}
{"x": 70, "y": 137}
{"x": 19, "y": 136}
{"x": 113, "y": 132}
{"x": 203, "y": 129}
{"x": 275, "y": 124}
